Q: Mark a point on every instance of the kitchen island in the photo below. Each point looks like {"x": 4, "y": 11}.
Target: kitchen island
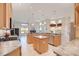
{"x": 40, "y": 43}
{"x": 30, "y": 37}
{"x": 10, "y": 48}
{"x": 55, "y": 40}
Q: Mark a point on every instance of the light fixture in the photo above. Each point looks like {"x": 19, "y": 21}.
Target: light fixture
{"x": 24, "y": 24}
{"x": 44, "y": 22}
{"x": 32, "y": 24}
{"x": 59, "y": 23}
{"x": 40, "y": 23}
{"x": 52, "y": 22}
{"x": 40, "y": 28}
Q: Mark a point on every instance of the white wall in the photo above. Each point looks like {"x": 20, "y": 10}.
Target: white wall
{"x": 65, "y": 36}
{"x": 35, "y": 13}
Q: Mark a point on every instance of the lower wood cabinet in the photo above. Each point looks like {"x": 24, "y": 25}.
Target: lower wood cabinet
{"x": 16, "y": 52}
{"x": 30, "y": 38}
{"x": 56, "y": 40}
{"x": 43, "y": 46}
{"x": 40, "y": 45}
{"x": 77, "y": 32}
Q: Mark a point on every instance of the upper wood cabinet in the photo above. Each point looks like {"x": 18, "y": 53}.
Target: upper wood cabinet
{"x": 77, "y": 6}
{"x": 56, "y": 40}
{"x": 2, "y": 15}
{"x": 77, "y": 20}
{"x": 5, "y": 14}
{"x": 77, "y": 14}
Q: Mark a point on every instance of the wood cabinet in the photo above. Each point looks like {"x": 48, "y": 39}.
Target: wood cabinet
{"x": 2, "y": 15}
{"x": 30, "y": 38}
{"x": 77, "y": 14}
{"x": 56, "y": 40}
{"x": 41, "y": 45}
{"x": 5, "y": 14}
{"x": 77, "y": 20}
{"x": 77, "y": 7}
{"x": 77, "y": 32}
{"x": 51, "y": 39}
{"x": 16, "y": 52}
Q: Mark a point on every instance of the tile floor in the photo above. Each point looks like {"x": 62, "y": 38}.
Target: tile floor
{"x": 69, "y": 50}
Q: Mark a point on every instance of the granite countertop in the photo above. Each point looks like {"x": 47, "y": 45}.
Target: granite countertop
{"x": 41, "y": 36}
{"x": 70, "y": 49}
{"x": 8, "y": 46}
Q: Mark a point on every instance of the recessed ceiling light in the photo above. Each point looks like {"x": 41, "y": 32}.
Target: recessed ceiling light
{"x": 59, "y": 21}
{"x": 40, "y": 28}
{"x": 40, "y": 23}
{"x": 44, "y": 22}
{"x": 32, "y": 24}
{"x": 24, "y": 24}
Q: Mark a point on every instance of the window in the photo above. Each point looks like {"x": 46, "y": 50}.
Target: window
{"x": 24, "y": 30}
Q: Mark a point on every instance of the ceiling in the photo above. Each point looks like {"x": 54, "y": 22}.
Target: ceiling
{"x": 35, "y": 12}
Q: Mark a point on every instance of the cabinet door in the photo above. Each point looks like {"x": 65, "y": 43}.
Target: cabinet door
{"x": 51, "y": 39}
{"x": 16, "y": 52}
{"x": 77, "y": 32}
{"x": 36, "y": 44}
{"x": 77, "y": 14}
{"x": 43, "y": 46}
{"x": 5, "y": 14}
{"x": 77, "y": 18}
{"x": 77, "y": 6}
{"x": 2, "y": 15}
{"x": 56, "y": 40}
{"x": 30, "y": 38}
{"x": 8, "y": 14}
